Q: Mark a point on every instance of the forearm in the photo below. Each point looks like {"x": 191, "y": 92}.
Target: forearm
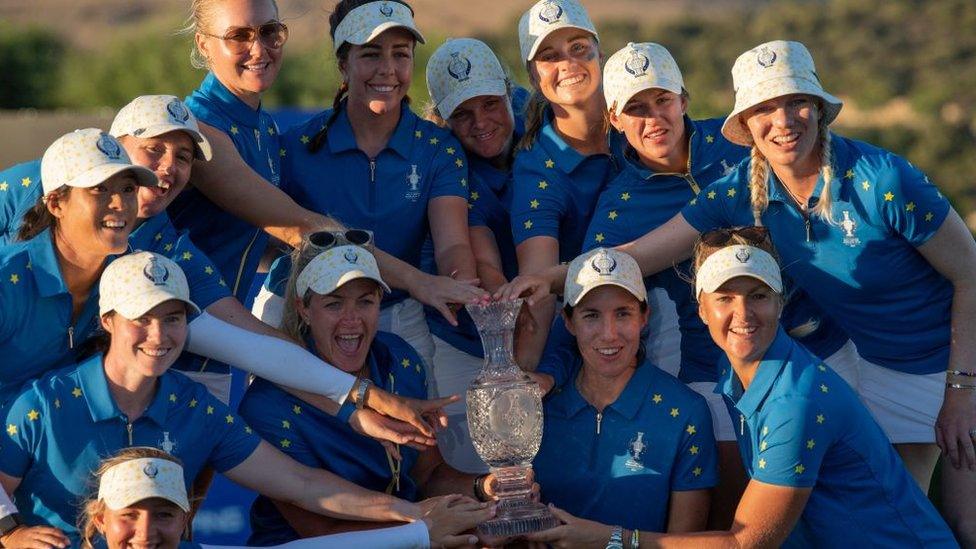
{"x": 329, "y": 494}
{"x": 706, "y": 540}
{"x": 663, "y": 247}
{"x": 962, "y": 351}
{"x": 230, "y": 310}
{"x": 456, "y": 261}
{"x": 531, "y": 343}
{"x": 397, "y": 273}
{"x": 490, "y": 275}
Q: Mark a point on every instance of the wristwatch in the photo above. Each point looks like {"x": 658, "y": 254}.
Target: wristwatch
{"x": 10, "y": 523}
{"x": 616, "y": 540}
{"x": 361, "y": 393}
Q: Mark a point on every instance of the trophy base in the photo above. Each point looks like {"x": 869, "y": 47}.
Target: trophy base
{"x": 524, "y": 518}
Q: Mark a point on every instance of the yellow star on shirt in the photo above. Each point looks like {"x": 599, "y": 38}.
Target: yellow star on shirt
{"x": 208, "y": 269}
{"x": 762, "y": 446}
{"x": 693, "y": 201}
{"x": 820, "y": 418}
{"x": 656, "y": 398}
{"x": 731, "y": 193}
{"x": 25, "y": 182}
{"x": 3, "y": 186}
{"x": 449, "y": 150}
{"x": 697, "y": 471}
{"x": 459, "y": 163}
{"x": 799, "y": 469}
{"x": 910, "y": 207}
{"x": 811, "y": 443}
{"x": 222, "y": 283}
{"x": 168, "y": 247}
{"x": 709, "y": 138}
{"x": 247, "y": 429}
{"x": 187, "y": 256}
{"x": 418, "y": 134}
{"x": 674, "y": 412}
{"x": 866, "y": 185}
{"x": 285, "y": 443}
{"x": 888, "y": 196}
{"x": 304, "y": 139}
{"x": 543, "y": 185}
{"x": 14, "y": 278}
{"x": 762, "y": 463}
{"x": 229, "y": 418}
{"x": 405, "y": 363}
{"x": 57, "y": 403}
{"x": 282, "y": 152}
{"x": 711, "y": 195}
{"x": 233, "y": 130}
{"x": 693, "y": 450}
{"x": 625, "y": 197}
{"x": 824, "y": 388}
{"x": 550, "y": 163}
{"x": 271, "y": 130}
{"x": 528, "y": 224}
{"x": 690, "y": 429}
{"x": 612, "y": 215}
{"x": 534, "y": 204}
{"x": 193, "y": 403}
{"x": 158, "y": 237}
{"x": 285, "y": 424}
{"x": 434, "y": 141}
{"x": 598, "y": 237}
{"x": 12, "y": 429}
{"x": 33, "y": 415}
{"x": 172, "y": 397}
{"x": 464, "y": 182}
{"x": 297, "y": 409}
{"x": 765, "y": 430}
{"x": 210, "y": 410}
{"x": 76, "y": 392}
{"x": 849, "y": 174}
{"x": 475, "y": 195}
{"x": 822, "y": 368}
{"x": 929, "y": 216}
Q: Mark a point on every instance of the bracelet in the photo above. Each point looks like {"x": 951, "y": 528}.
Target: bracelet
{"x": 960, "y": 386}
{"x": 961, "y": 373}
{"x": 616, "y": 540}
{"x": 361, "y": 393}
{"x": 479, "y": 492}
{"x": 635, "y": 539}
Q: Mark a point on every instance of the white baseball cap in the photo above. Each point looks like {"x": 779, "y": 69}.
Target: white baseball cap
{"x": 368, "y": 21}
{"x": 547, "y": 16}
{"x": 734, "y": 261}
{"x": 336, "y": 266}
{"x": 772, "y": 70}
{"x": 134, "y": 480}
{"x": 639, "y": 67}
{"x": 87, "y": 158}
{"x": 460, "y": 69}
{"x": 152, "y": 115}
{"x": 135, "y": 283}
{"x": 599, "y": 267}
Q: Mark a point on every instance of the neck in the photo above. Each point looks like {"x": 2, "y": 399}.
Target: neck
{"x": 676, "y": 163}
{"x": 800, "y": 178}
{"x": 503, "y": 161}
{"x": 79, "y": 268}
{"x": 131, "y": 391}
{"x": 603, "y": 390}
{"x": 251, "y": 99}
{"x": 582, "y": 127}
{"x": 745, "y": 370}
{"x": 372, "y": 131}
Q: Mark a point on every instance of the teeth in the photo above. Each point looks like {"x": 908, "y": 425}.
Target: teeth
{"x": 114, "y": 224}
{"x": 348, "y": 337}
{"x": 164, "y": 185}
{"x": 784, "y": 139}
{"x": 257, "y": 66}
{"x": 609, "y": 352}
{"x": 657, "y": 133}
{"x": 155, "y": 352}
{"x": 743, "y": 331}
{"x": 572, "y": 81}
{"x": 383, "y": 89}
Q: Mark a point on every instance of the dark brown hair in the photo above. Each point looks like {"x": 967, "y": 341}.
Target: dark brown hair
{"x": 39, "y": 218}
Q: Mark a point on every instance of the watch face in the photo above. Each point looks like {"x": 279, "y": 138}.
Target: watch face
{"x": 9, "y": 522}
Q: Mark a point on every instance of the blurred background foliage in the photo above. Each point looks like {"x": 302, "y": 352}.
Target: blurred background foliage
{"x": 906, "y": 69}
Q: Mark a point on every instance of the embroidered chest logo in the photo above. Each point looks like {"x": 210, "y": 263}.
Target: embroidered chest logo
{"x": 848, "y": 225}
{"x": 413, "y": 184}
{"x": 726, "y": 168}
{"x": 766, "y": 58}
{"x": 636, "y": 449}
{"x": 550, "y": 12}
{"x": 459, "y": 67}
{"x": 156, "y": 273}
{"x": 166, "y": 444}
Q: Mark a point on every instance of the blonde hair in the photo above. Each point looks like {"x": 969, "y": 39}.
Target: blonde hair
{"x": 200, "y": 19}
{"x": 759, "y": 175}
{"x": 93, "y": 506}
{"x": 291, "y": 322}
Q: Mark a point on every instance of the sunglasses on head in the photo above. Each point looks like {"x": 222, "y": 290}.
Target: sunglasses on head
{"x": 272, "y": 35}
{"x": 323, "y": 240}
{"x": 721, "y": 237}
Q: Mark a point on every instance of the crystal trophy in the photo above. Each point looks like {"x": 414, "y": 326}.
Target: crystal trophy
{"x": 505, "y": 420}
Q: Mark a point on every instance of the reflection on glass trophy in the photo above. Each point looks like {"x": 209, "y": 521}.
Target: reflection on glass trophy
{"x": 505, "y": 420}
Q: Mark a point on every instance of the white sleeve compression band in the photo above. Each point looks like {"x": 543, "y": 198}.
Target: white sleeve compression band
{"x": 409, "y": 536}
{"x": 267, "y": 357}
{"x": 7, "y": 506}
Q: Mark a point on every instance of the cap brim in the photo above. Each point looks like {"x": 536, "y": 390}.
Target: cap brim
{"x": 641, "y": 296}
{"x": 151, "y": 299}
{"x": 735, "y": 130}
{"x": 321, "y": 287}
{"x": 364, "y": 38}
{"x": 494, "y": 86}
{"x": 553, "y": 28}
{"x": 737, "y": 271}
{"x": 202, "y": 149}
{"x": 99, "y": 174}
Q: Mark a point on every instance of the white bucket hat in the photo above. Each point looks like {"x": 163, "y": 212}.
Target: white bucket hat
{"x": 337, "y": 266}
{"x": 636, "y": 68}
{"x": 134, "y": 480}
{"x": 153, "y": 115}
{"x": 368, "y": 21}
{"x": 599, "y": 267}
{"x": 461, "y": 69}
{"x": 734, "y": 261}
{"x": 135, "y": 283}
{"x": 86, "y": 158}
{"x": 772, "y": 70}
{"x": 546, "y": 16}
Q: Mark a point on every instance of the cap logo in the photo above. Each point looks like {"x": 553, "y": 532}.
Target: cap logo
{"x": 550, "y": 12}
{"x": 459, "y": 67}
{"x": 742, "y": 255}
{"x": 604, "y": 265}
{"x": 386, "y": 10}
{"x": 766, "y": 57}
{"x": 177, "y": 111}
{"x": 156, "y": 273}
{"x": 150, "y": 470}
{"x": 109, "y": 147}
{"x": 351, "y": 256}
{"x": 637, "y": 63}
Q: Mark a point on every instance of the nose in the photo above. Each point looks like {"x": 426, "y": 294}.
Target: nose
{"x": 742, "y": 310}
{"x": 166, "y": 163}
{"x": 782, "y": 117}
{"x": 142, "y": 529}
{"x": 154, "y": 331}
{"x": 609, "y": 329}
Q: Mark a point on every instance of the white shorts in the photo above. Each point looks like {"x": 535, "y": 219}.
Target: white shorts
{"x": 453, "y": 371}
{"x": 663, "y": 341}
{"x": 217, "y": 384}
{"x": 905, "y": 405}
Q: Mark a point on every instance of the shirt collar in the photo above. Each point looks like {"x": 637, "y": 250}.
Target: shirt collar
{"x": 779, "y": 353}
{"x": 570, "y": 402}
{"x": 567, "y": 159}
{"x": 230, "y": 103}
{"x": 44, "y": 265}
{"x": 142, "y": 237}
{"x": 341, "y": 137}
{"x": 101, "y": 405}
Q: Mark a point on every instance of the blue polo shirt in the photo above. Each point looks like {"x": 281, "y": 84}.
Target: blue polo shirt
{"x": 235, "y": 245}
{"x": 556, "y": 188}
{"x": 20, "y": 186}
{"x": 322, "y": 441}
{"x": 62, "y": 425}
{"x": 800, "y": 425}
{"x": 388, "y": 194}
{"x": 621, "y": 467}
{"x": 37, "y": 332}
{"x": 864, "y": 270}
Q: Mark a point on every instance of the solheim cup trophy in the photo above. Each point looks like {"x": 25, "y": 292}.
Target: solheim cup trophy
{"x": 505, "y": 420}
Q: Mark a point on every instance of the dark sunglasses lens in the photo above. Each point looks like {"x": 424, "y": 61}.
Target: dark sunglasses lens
{"x": 240, "y": 36}
{"x": 322, "y": 239}
{"x": 273, "y": 35}
{"x": 754, "y": 234}
{"x": 718, "y": 237}
{"x": 358, "y": 237}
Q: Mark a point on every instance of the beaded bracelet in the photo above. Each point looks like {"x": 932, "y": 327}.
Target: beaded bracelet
{"x": 960, "y": 386}
{"x": 961, "y": 373}
{"x": 635, "y": 539}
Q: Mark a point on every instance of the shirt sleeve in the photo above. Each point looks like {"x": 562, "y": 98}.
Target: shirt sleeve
{"x": 538, "y": 206}
{"x": 911, "y": 205}
{"x": 560, "y": 357}
{"x": 20, "y": 187}
{"x": 794, "y": 436}
{"x": 724, "y": 203}
{"x": 201, "y": 274}
{"x": 24, "y": 425}
{"x": 696, "y": 460}
{"x": 272, "y": 415}
{"x": 477, "y": 216}
{"x": 407, "y": 375}
{"x": 233, "y": 440}
{"x": 450, "y": 167}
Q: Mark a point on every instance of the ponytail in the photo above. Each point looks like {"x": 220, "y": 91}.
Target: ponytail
{"x": 758, "y": 184}
{"x": 319, "y": 139}
{"x": 535, "y": 116}
{"x": 37, "y": 219}
{"x": 823, "y": 207}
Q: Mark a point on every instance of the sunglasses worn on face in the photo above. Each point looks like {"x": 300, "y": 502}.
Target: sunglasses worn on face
{"x": 721, "y": 237}
{"x": 323, "y": 240}
{"x": 272, "y": 35}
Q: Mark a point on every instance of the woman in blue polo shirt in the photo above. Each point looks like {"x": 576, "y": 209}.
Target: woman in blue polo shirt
{"x": 623, "y": 442}
{"x": 334, "y": 306}
{"x": 62, "y": 425}
{"x": 822, "y": 471}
